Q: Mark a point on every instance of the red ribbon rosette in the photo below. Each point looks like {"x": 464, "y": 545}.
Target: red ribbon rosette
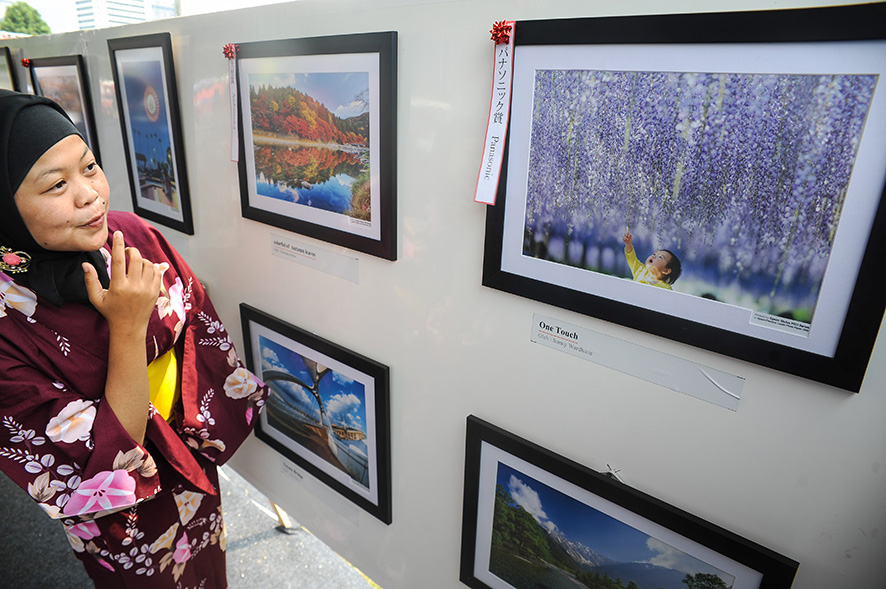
{"x": 26, "y": 62}
{"x": 501, "y": 32}
{"x": 230, "y": 50}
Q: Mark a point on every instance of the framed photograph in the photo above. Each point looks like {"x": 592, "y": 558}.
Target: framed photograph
{"x": 328, "y": 410}
{"x": 535, "y": 519}
{"x": 64, "y": 80}
{"x": 716, "y": 179}
{"x": 147, "y": 98}
{"x": 8, "y": 81}
{"x": 317, "y": 121}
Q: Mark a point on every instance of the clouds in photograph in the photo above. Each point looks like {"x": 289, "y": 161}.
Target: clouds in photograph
{"x": 559, "y": 513}
{"x": 352, "y": 109}
{"x": 669, "y": 557}
{"x": 269, "y": 357}
{"x": 527, "y": 498}
{"x": 296, "y": 394}
{"x": 346, "y": 408}
{"x": 345, "y": 94}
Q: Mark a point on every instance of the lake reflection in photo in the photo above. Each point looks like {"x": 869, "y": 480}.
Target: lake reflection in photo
{"x": 320, "y": 177}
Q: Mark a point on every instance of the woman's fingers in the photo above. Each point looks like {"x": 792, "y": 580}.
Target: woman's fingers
{"x": 118, "y": 256}
{"x": 143, "y": 275}
{"x": 128, "y": 264}
{"x": 134, "y": 256}
{"x": 134, "y": 288}
{"x": 157, "y": 278}
{"x": 136, "y": 266}
{"x": 150, "y": 277}
{"x": 93, "y": 286}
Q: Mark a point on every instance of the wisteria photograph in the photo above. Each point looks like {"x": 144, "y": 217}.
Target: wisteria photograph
{"x": 716, "y": 179}
{"x": 727, "y": 186}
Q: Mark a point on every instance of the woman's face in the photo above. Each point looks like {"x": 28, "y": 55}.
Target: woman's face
{"x": 64, "y": 198}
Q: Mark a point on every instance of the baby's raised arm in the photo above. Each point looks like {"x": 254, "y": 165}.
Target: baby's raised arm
{"x": 628, "y": 239}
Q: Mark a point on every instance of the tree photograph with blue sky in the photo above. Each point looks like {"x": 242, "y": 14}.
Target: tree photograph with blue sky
{"x": 542, "y": 537}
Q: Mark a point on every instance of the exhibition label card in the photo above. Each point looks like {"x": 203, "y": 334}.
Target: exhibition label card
{"x": 684, "y": 376}
{"x": 314, "y": 257}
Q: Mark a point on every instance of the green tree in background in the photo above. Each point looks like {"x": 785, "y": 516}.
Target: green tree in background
{"x": 21, "y": 17}
{"x": 704, "y": 581}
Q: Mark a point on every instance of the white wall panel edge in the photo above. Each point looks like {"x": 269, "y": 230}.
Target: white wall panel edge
{"x": 800, "y": 467}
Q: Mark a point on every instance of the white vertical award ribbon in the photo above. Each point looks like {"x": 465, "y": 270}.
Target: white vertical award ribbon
{"x": 499, "y": 111}
{"x": 230, "y": 52}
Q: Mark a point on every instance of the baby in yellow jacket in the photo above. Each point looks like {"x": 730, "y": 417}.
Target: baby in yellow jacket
{"x": 662, "y": 268}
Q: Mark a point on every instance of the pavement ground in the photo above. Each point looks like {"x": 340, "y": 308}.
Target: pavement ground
{"x": 35, "y": 554}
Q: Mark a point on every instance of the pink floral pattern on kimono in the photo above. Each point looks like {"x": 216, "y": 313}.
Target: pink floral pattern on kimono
{"x": 107, "y": 490}
{"x": 138, "y": 515}
{"x": 16, "y": 297}
{"x": 182, "y": 550}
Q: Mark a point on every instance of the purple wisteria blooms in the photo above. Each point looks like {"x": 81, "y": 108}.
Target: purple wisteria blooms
{"x": 743, "y": 176}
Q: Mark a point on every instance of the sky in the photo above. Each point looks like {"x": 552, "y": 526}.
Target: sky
{"x": 138, "y": 76}
{"x": 61, "y": 15}
{"x": 596, "y": 530}
{"x": 334, "y": 90}
{"x": 344, "y": 398}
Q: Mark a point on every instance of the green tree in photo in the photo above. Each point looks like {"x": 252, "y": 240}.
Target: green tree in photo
{"x": 21, "y": 17}
{"x": 704, "y": 581}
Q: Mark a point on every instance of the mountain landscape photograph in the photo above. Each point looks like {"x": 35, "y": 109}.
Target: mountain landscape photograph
{"x": 545, "y": 539}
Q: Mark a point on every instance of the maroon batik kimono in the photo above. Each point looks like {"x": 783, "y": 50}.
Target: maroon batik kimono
{"x": 136, "y": 515}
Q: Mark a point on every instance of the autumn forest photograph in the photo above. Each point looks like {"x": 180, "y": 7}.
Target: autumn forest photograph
{"x": 311, "y": 140}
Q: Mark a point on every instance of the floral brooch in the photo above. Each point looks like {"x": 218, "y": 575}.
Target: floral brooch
{"x": 13, "y": 262}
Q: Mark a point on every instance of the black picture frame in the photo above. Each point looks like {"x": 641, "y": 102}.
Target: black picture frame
{"x": 65, "y": 80}
{"x": 8, "y": 80}
{"x": 328, "y": 410}
{"x": 345, "y": 198}
{"x": 150, "y": 120}
{"x": 837, "y": 347}
{"x": 548, "y": 502}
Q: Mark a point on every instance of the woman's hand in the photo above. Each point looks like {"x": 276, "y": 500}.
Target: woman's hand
{"x": 133, "y": 290}
{"x": 127, "y": 305}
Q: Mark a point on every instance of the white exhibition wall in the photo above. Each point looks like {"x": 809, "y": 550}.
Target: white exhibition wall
{"x": 799, "y": 467}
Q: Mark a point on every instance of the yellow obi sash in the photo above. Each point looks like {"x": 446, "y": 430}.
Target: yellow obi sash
{"x": 163, "y": 383}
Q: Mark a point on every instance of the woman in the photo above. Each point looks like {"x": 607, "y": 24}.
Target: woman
{"x": 120, "y": 390}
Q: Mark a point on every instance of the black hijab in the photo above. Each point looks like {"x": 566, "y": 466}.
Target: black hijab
{"x": 29, "y": 126}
